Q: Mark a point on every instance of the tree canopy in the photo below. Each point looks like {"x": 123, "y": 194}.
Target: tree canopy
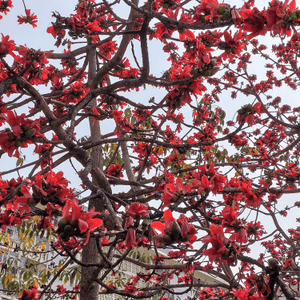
{"x": 171, "y": 126}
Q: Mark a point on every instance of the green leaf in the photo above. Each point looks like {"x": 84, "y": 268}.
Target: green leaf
{"x": 149, "y": 123}
{"x": 72, "y": 277}
{"x": 20, "y": 161}
{"x": 128, "y": 113}
{"x": 133, "y": 120}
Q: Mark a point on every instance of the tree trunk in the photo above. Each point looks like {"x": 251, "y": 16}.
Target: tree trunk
{"x": 89, "y": 289}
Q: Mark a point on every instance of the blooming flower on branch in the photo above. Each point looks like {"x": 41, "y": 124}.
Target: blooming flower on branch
{"x": 56, "y": 32}
{"x": 136, "y": 209}
{"x": 4, "y": 6}
{"x": 129, "y": 288}
{"x": 6, "y": 46}
{"x": 75, "y": 221}
{"x": 30, "y": 294}
{"x": 174, "y": 230}
{"x": 61, "y": 289}
{"x": 30, "y": 18}
{"x": 173, "y": 191}
{"x": 92, "y": 27}
{"x": 250, "y": 198}
{"x": 115, "y": 171}
{"x": 233, "y": 46}
{"x": 222, "y": 248}
{"x": 278, "y": 14}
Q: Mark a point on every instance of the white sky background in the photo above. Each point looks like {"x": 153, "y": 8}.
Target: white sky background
{"x": 38, "y": 38}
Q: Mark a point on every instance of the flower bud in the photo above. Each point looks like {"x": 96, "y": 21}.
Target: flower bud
{"x": 64, "y": 237}
{"x": 175, "y": 229}
{"x": 194, "y": 72}
{"x": 62, "y": 223}
{"x": 167, "y": 239}
{"x": 32, "y": 202}
{"x": 69, "y": 229}
{"x": 211, "y": 71}
{"x": 222, "y": 9}
{"x": 293, "y": 16}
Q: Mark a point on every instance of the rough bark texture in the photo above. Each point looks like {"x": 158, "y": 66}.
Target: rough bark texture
{"x": 89, "y": 289}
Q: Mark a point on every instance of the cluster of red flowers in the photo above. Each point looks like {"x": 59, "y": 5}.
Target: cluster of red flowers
{"x": 5, "y": 5}
{"x": 115, "y": 171}
{"x": 76, "y": 221}
{"x": 154, "y": 131}
{"x": 6, "y": 46}
{"x": 174, "y": 230}
{"x": 134, "y": 211}
{"x": 222, "y": 249}
{"x": 173, "y": 191}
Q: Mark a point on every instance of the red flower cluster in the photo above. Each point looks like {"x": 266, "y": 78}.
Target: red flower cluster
{"x": 30, "y": 294}
{"x": 173, "y": 192}
{"x": 136, "y": 209}
{"x": 121, "y": 122}
{"x": 76, "y": 221}
{"x": 22, "y": 132}
{"x": 6, "y": 45}
{"x": 30, "y": 18}
{"x": 115, "y": 171}
{"x": 60, "y": 289}
{"x": 5, "y": 5}
{"x": 222, "y": 249}
{"x": 174, "y": 230}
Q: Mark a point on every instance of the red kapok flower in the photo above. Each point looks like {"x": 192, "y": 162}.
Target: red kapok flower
{"x": 174, "y": 230}
{"x": 86, "y": 223}
{"x": 31, "y": 293}
{"x": 136, "y": 209}
{"x": 216, "y": 239}
{"x": 61, "y": 289}
{"x": 30, "y": 18}
{"x": 188, "y": 231}
{"x": 172, "y": 191}
{"x": 6, "y": 46}
{"x": 4, "y": 6}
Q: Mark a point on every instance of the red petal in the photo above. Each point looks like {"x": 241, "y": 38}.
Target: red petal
{"x": 192, "y": 239}
{"x": 179, "y": 184}
{"x": 128, "y": 222}
{"x": 159, "y": 226}
{"x": 66, "y": 210}
{"x": 83, "y": 225}
{"x": 94, "y": 223}
{"x": 87, "y": 238}
{"x": 189, "y": 34}
{"x": 168, "y": 217}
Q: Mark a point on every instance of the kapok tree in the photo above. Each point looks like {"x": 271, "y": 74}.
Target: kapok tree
{"x": 197, "y": 157}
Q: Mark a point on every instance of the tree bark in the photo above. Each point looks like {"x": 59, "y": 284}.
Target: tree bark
{"x": 89, "y": 288}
